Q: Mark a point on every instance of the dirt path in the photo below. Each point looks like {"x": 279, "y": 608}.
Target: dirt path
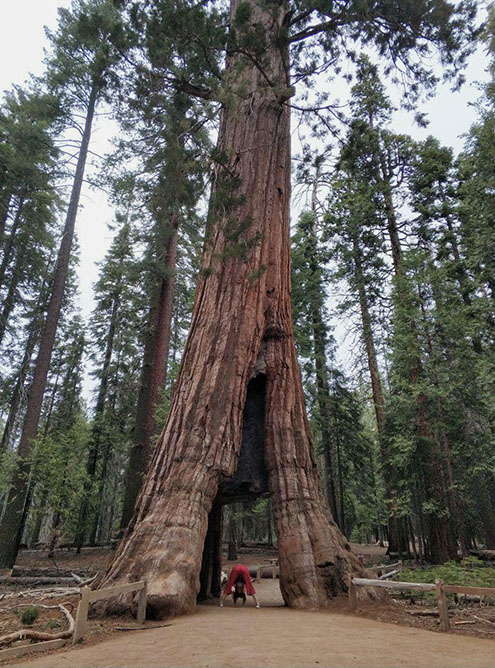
{"x": 273, "y": 637}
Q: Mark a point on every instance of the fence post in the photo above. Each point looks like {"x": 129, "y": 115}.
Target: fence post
{"x": 352, "y": 592}
{"x": 141, "y": 611}
{"x": 442, "y": 605}
{"x": 82, "y": 615}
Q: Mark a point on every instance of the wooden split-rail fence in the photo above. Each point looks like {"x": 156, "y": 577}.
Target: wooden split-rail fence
{"x": 88, "y": 596}
{"x": 439, "y": 588}
{"x": 267, "y": 567}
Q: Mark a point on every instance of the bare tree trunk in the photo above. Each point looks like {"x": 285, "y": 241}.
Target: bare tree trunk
{"x": 39, "y": 516}
{"x": 377, "y": 393}
{"x": 322, "y": 380}
{"x": 232, "y": 537}
{"x": 12, "y": 295}
{"x": 241, "y": 328}
{"x": 153, "y": 375}
{"x": 96, "y": 432}
{"x": 211, "y": 565}
{"x": 4, "y": 215}
{"x": 14, "y": 512}
{"x": 9, "y": 245}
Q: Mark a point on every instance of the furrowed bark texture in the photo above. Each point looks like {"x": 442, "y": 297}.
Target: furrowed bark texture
{"x": 241, "y": 327}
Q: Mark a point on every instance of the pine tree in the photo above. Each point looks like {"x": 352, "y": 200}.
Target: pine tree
{"x": 79, "y": 70}
{"x": 114, "y": 327}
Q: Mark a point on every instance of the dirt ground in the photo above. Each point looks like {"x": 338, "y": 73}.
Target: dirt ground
{"x": 377, "y": 634}
{"x": 275, "y": 636}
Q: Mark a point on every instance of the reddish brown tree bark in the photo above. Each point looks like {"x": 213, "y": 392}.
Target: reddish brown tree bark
{"x": 241, "y": 328}
{"x": 154, "y": 372}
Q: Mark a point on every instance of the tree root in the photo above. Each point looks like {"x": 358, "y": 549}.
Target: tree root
{"x": 41, "y": 593}
{"x": 40, "y": 635}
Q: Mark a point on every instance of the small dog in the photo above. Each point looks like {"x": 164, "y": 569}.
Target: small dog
{"x": 224, "y": 579}
{"x": 238, "y": 592}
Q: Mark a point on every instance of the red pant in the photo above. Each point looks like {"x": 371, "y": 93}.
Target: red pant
{"x": 239, "y": 572}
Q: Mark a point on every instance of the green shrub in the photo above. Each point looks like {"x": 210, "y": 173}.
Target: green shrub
{"x": 30, "y": 615}
{"x": 470, "y": 572}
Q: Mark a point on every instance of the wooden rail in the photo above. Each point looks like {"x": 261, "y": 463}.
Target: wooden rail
{"x": 384, "y": 569}
{"x": 260, "y": 569}
{"x": 88, "y": 596}
{"x": 439, "y": 587}
{"x": 12, "y": 652}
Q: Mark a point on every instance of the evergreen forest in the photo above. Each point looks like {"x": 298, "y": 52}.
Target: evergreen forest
{"x": 392, "y": 262}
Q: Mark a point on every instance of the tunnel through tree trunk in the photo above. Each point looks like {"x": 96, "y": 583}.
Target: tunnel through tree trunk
{"x": 241, "y": 328}
{"x": 249, "y": 482}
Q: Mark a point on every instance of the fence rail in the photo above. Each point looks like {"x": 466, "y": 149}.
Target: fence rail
{"x": 439, "y": 587}
{"x": 88, "y": 596}
{"x": 266, "y": 567}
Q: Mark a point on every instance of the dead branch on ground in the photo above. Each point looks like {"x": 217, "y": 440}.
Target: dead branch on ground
{"x": 40, "y": 635}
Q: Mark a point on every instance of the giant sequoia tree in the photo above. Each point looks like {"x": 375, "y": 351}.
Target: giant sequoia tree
{"x": 239, "y": 387}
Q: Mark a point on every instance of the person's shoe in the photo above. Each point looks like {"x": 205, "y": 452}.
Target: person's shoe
{"x": 258, "y": 605}
{"x": 220, "y": 605}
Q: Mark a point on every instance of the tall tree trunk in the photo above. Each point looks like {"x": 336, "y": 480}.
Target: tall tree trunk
{"x": 232, "y": 537}
{"x": 457, "y": 524}
{"x": 320, "y": 360}
{"x": 32, "y": 340}
{"x": 9, "y": 246}
{"x": 153, "y": 375}
{"x": 4, "y": 215}
{"x": 39, "y": 515}
{"x": 14, "y": 512}
{"x": 465, "y": 286}
{"x": 377, "y": 393}
{"x": 16, "y": 397}
{"x": 440, "y": 547}
{"x": 12, "y": 294}
{"x": 96, "y": 432}
{"x": 105, "y": 457}
{"x": 241, "y": 328}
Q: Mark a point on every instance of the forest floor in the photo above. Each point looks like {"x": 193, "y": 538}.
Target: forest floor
{"x": 377, "y": 634}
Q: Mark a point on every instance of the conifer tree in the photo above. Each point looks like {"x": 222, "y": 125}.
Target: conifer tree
{"x": 79, "y": 73}
{"x": 114, "y": 327}
{"x": 240, "y": 351}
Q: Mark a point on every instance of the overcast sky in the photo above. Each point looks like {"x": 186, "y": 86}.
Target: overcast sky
{"x": 22, "y": 40}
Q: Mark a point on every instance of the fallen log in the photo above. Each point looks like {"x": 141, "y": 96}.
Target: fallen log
{"x": 486, "y": 621}
{"x": 391, "y": 574}
{"x": 19, "y": 572}
{"x": 39, "y": 605}
{"x": 140, "y": 628}
{"x": 84, "y": 582}
{"x": 484, "y": 555}
{"x": 423, "y": 613}
{"x": 41, "y": 593}
{"x": 15, "y": 581}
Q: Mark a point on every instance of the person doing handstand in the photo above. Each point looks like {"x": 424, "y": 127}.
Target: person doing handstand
{"x": 239, "y": 575}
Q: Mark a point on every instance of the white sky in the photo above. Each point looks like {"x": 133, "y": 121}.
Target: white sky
{"x": 22, "y": 40}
